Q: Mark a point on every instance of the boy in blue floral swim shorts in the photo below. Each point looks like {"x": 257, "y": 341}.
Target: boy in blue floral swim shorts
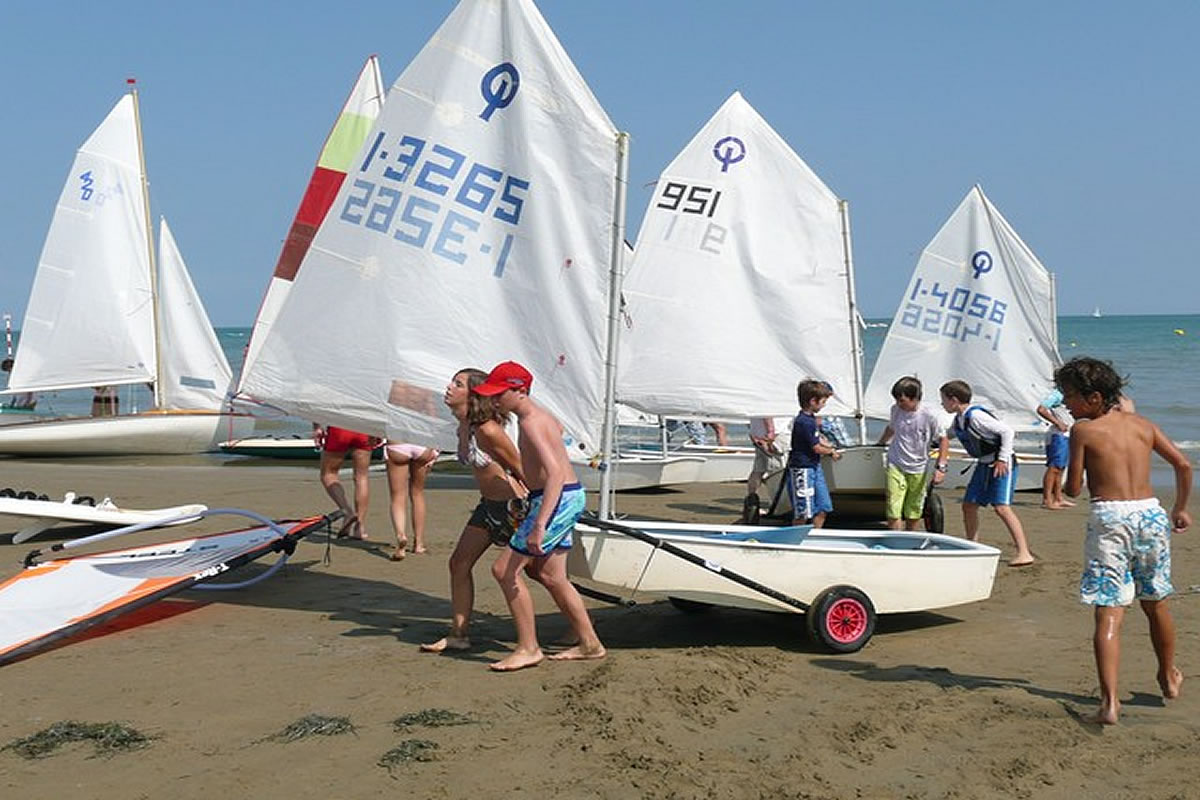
{"x": 1127, "y": 553}
{"x": 540, "y": 545}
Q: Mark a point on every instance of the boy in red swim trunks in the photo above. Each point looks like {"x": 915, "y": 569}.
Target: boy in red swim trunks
{"x": 334, "y": 444}
{"x": 541, "y": 542}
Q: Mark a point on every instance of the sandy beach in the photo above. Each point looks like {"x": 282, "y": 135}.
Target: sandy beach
{"x": 978, "y": 701}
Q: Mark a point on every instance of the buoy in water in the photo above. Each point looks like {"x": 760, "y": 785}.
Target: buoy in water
{"x": 1179, "y": 332}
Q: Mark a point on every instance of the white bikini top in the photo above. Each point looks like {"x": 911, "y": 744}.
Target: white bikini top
{"x": 470, "y": 454}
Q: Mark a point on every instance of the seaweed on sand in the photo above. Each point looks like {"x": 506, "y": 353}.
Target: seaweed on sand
{"x": 108, "y": 738}
{"x": 408, "y": 751}
{"x": 432, "y": 718}
{"x": 313, "y": 725}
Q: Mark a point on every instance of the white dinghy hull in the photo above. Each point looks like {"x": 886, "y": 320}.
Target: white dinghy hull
{"x": 641, "y": 473}
{"x": 151, "y": 433}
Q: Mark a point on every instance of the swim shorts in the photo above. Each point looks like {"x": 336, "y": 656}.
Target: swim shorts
{"x": 1057, "y": 449}
{"x": 905, "y": 493}
{"x": 492, "y": 516}
{"x": 558, "y": 531}
{"x": 1127, "y": 553}
{"x": 985, "y": 489}
{"x": 339, "y": 440}
{"x": 808, "y": 492}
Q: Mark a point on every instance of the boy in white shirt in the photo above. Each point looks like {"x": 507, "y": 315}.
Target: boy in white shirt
{"x": 912, "y": 430}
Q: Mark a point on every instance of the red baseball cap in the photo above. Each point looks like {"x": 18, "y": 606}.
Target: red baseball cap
{"x": 505, "y": 376}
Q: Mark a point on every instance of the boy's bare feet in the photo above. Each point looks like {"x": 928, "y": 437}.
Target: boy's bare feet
{"x": 580, "y": 653}
{"x": 516, "y": 661}
{"x": 420, "y": 550}
{"x": 398, "y": 554}
{"x": 1020, "y": 561}
{"x": 1170, "y": 683}
{"x": 1105, "y": 716}
{"x": 447, "y": 643}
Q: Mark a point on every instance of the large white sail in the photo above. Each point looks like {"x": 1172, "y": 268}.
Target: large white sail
{"x": 195, "y": 372}
{"x": 979, "y": 308}
{"x": 97, "y": 247}
{"x": 341, "y": 146}
{"x": 475, "y": 226}
{"x": 739, "y": 282}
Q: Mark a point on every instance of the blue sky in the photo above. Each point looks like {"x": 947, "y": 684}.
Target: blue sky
{"x": 1079, "y": 119}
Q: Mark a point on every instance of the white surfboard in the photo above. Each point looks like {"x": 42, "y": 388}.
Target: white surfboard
{"x": 45, "y": 514}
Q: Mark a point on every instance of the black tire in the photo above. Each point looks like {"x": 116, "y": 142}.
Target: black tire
{"x": 690, "y": 606}
{"x": 85, "y": 500}
{"x": 934, "y": 514}
{"x": 841, "y": 619}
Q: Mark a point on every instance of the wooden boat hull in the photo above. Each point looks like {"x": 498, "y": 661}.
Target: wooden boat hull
{"x": 152, "y": 433}
{"x": 898, "y": 571}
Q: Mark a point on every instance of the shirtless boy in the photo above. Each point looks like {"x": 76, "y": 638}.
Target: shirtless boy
{"x": 541, "y": 542}
{"x": 1127, "y": 552}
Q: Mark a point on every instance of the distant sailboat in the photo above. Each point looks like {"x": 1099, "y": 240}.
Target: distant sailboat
{"x": 1096, "y": 312}
{"x": 102, "y": 314}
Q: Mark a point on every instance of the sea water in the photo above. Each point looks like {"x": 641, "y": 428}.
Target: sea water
{"x": 1159, "y": 356}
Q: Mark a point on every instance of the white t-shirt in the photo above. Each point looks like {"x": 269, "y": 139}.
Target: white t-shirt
{"x": 914, "y": 433}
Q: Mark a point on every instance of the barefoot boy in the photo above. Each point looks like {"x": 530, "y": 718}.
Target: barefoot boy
{"x": 541, "y": 542}
{"x": 1127, "y": 552}
{"x": 805, "y": 480}
{"x": 990, "y": 441}
{"x": 911, "y": 433}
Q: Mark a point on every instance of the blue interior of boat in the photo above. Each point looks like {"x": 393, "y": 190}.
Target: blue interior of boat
{"x": 800, "y": 534}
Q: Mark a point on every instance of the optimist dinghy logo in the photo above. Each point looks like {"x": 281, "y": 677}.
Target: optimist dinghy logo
{"x": 498, "y": 87}
{"x": 981, "y": 262}
{"x": 729, "y": 150}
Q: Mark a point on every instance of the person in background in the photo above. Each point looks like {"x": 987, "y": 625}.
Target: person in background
{"x": 805, "y": 480}
{"x": 408, "y": 466}
{"x": 990, "y": 442}
{"x": 105, "y": 402}
{"x": 335, "y": 443}
{"x": 1127, "y": 552}
{"x": 26, "y": 401}
{"x": 1055, "y": 412}
{"x": 911, "y": 432}
{"x": 768, "y": 458}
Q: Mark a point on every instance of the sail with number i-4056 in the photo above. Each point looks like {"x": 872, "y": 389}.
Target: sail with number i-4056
{"x": 101, "y": 315}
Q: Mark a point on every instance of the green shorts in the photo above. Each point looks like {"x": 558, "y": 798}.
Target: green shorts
{"x": 905, "y": 493}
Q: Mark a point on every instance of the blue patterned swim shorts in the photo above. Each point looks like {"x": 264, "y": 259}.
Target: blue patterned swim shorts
{"x": 571, "y": 504}
{"x": 1127, "y": 553}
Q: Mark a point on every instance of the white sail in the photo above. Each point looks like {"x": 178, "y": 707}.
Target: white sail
{"x": 195, "y": 373}
{"x": 341, "y": 146}
{"x": 739, "y": 282}
{"x": 979, "y": 308}
{"x": 97, "y": 248}
{"x": 475, "y": 226}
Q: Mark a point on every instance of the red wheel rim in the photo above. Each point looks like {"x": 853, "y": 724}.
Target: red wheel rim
{"x": 846, "y": 620}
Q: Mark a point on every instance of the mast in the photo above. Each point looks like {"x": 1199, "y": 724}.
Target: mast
{"x": 855, "y": 332}
{"x": 137, "y": 123}
{"x": 615, "y": 275}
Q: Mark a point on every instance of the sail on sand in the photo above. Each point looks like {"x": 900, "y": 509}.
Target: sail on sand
{"x": 980, "y": 307}
{"x": 476, "y": 225}
{"x": 740, "y": 284}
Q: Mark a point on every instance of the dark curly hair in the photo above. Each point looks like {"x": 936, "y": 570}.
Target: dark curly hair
{"x": 1084, "y": 375}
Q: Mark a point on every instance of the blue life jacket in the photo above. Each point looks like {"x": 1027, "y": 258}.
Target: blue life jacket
{"x": 977, "y": 446}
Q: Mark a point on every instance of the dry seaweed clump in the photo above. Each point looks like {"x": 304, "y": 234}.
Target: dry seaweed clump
{"x": 431, "y": 718}
{"x": 313, "y": 725}
{"x": 108, "y": 738}
{"x": 408, "y": 751}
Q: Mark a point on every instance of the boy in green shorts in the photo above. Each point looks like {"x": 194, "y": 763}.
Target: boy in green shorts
{"x": 910, "y": 436}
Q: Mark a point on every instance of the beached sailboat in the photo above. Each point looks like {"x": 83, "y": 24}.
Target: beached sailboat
{"x": 102, "y": 313}
{"x": 979, "y": 307}
{"x": 740, "y": 233}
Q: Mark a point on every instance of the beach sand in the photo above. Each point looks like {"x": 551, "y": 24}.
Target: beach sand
{"x": 976, "y": 701}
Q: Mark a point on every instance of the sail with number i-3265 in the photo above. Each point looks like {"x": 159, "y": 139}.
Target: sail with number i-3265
{"x": 101, "y": 315}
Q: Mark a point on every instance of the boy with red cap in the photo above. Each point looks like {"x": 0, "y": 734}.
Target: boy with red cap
{"x": 541, "y": 542}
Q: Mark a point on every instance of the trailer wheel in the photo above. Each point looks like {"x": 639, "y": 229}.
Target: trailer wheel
{"x": 934, "y": 514}
{"x": 690, "y": 606}
{"x": 842, "y": 619}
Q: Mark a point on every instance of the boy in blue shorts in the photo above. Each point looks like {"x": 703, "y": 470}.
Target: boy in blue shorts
{"x": 1127, "y": 551}
{"x": 990, "y": 442}
{"x": 1059, "y": 416}
{"x": 540, "y": 544}
{"x": 805, "y": 480}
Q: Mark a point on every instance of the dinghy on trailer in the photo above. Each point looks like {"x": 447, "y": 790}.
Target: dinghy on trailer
{"x": 51, "y": 600}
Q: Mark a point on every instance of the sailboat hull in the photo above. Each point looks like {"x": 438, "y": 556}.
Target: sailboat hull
{"x": 641, "y": 473}
{"x": 863, "y": 470}
{"x": 152, "y": 433}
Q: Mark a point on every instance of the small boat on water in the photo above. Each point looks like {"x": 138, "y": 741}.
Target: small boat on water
{"x": 839, "y": 579}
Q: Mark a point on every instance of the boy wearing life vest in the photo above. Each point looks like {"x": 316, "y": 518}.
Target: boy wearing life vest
{"x": 990, "y": 442}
